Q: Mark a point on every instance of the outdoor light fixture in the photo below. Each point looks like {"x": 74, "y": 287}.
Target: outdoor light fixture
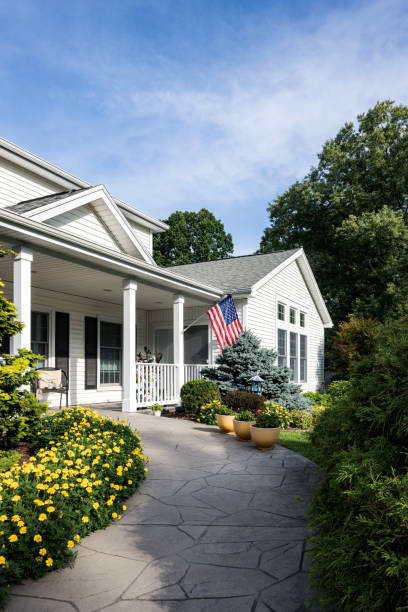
{"x": 256, "y": 384}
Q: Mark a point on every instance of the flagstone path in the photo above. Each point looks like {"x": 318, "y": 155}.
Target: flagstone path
{"x": 218, "y": 526}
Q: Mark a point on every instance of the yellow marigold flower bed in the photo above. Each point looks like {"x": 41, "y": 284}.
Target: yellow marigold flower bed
{"x": 67, "y": 489}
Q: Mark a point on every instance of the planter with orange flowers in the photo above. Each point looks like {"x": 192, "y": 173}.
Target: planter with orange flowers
{"x": 269, "y": 422}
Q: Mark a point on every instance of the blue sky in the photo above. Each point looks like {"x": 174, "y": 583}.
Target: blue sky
{"x": 180, "y": 104}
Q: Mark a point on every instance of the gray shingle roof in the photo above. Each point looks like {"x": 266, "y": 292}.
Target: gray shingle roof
{"x": 236, "y": 274}
{"x": 28, "y": 205}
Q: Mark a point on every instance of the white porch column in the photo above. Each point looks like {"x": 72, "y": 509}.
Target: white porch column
{"x": 22, "y": 296}
{"x": 129, "y": 346}
{"x": 178, "y": 339}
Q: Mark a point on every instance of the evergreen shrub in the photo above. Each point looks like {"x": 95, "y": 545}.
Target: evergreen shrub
{"x": 196, "y": 393}
{"x": 83, "y": 469}
{"x": 301, "y": 419}
{"x": 360, "y": 510}
{"x": 246, "y": 358}
{"x": 242, "y": 400}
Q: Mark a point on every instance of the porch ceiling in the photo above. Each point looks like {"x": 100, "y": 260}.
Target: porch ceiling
{"x": 75, "y": 279}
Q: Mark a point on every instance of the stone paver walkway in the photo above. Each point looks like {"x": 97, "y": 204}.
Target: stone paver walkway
{"x": 218, "y": 526}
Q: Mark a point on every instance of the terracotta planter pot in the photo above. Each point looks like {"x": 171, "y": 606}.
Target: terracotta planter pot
{"x": 264, "y": 437}
{"x": 242, "y": 430}
{"x": 225, "y": 423}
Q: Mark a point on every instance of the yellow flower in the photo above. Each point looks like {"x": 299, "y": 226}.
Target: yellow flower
{"x": 85, "y": 519}
{"x": 95, "y": 505}
{"x": 109, "y": 502}
{"x": 15, "y": 518}
{"x": 42, "y": 517}
{"x": 77, "y": 538}
{"x": 43, "y": 551}
{"x": 23, "y": 530}
{"x": 114, "y": 515}
{"x": 16, "y": 498}
{"x": 123, "y": 507}
{"x": 20, "y": 524}
{"x": 2, "y": 560}
{"x": 37, "y": 538}
{"x": 3, "y": 518}
{"x": 13, "y": 538}
{"x": 70, "y": 543}
{"x": 49, "y": 562}
{"x": 50, "y": 509}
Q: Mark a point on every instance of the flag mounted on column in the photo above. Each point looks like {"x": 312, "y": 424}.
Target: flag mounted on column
{"x": 224, "y": 321}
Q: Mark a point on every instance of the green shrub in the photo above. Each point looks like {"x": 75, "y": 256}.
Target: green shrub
{"x": 317, "y": 399}
{"x": 245, "y": 415}
{"x": 244, "y": 401}
{"x": 360, "y": 510}
{"x": 336, "y": 390}
{"x": 301, "y": 419}
{"x": 316, "y": 412}
{"x": 8, "y": 459}
{"x": 157, "y": 408}
{"x": 196, "y": 393}
{"x": 84, "y": 467}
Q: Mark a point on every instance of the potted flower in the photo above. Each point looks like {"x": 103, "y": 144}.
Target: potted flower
{"x": 269, "y": 421}
{"x": 157, "y": 410}
{"x": 241, "y": 424}
{"x": 225, "y": 417}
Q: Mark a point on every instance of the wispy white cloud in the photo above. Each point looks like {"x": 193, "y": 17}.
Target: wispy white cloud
{"x": 232, "y": 134}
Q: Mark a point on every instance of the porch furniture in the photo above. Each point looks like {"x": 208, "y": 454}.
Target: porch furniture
{"x": 52, "y": 380}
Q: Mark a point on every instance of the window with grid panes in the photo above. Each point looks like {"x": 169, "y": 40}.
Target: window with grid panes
{"x": 40, "y": 336}
{"x": 303, "y": 358}
{"x": 282, "y": 352}
{"x": 292, "y": 316}
{"x": 302, "y": 319}
{"x": 293, "y": 360}
{"x": 110, "y": 342}
{"x": 281, "y": 311}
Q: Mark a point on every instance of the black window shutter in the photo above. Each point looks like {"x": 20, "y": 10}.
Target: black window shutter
{"x": 91, "y": 352}
{"x": 62, "y": 341}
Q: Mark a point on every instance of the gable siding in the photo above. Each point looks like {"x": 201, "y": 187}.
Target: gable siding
{"x": 83, "y": 222}
{"x": 18, "y": 184}
{"x": 143, "y": 234}
{"x": 290, "y": 287}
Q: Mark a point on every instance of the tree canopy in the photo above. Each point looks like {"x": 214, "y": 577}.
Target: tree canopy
{"x": 350, "y": 214}
{"x": 192, "y": 237}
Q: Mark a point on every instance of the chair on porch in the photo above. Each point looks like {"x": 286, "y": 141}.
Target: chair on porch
{"x": 52, "y": 380}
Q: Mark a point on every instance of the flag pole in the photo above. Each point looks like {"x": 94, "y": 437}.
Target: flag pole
{"x": 200, "y": 317}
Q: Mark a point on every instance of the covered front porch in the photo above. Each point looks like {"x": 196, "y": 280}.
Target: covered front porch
{"x": 92, "y": 321}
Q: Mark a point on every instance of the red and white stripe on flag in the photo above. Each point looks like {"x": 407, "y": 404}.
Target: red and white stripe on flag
{"x": 224, "y": 321}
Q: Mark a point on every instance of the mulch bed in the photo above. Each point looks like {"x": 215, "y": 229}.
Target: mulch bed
{"x": 25, "y": 450}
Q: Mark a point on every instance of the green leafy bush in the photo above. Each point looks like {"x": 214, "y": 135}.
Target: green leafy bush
{"x": 316, "y": 412}
{"x": 301, "y": 419}
{"x": 238, "y": 363}
{"x": 244, "y": 401}
{"x": 84, "y": 467}
{"x": 336, "y": 390}
{"x": 8, "y": 459}
{"x": 207, "y": 414}
{"x": 245, "y": 415}
{"x": 360, "y": 510}
{"x": 196, "y": 393}
{"x": 317, "y": 399}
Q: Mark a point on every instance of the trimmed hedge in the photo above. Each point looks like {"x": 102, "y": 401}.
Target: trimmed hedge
{"x": 241, "y": 401}
{"x": 301, "y": 419}
{"x": 196, "y": 393}
{"x": 85, "y": 466}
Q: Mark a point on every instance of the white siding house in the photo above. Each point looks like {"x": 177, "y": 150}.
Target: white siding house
{"x": 92, "y": 299}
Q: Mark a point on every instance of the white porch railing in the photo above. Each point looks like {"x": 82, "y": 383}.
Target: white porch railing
{"x": 192, "y": 371}
{"x": 156, "y": 382}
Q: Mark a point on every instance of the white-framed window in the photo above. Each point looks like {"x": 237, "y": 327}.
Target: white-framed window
{"x": 110, "y": 353}
{"x": 292, "y": 316}
{"x": 281, "y": 311}
{"x": 293, "y": 356}
{"x": 40, "y": 335}
{"x": 282, "y": 347}
{"x": 302, "y": 319}
{"x": 302, "y": 358}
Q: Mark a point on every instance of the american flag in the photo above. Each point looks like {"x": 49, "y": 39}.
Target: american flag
{"x": 224, "y": 321}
